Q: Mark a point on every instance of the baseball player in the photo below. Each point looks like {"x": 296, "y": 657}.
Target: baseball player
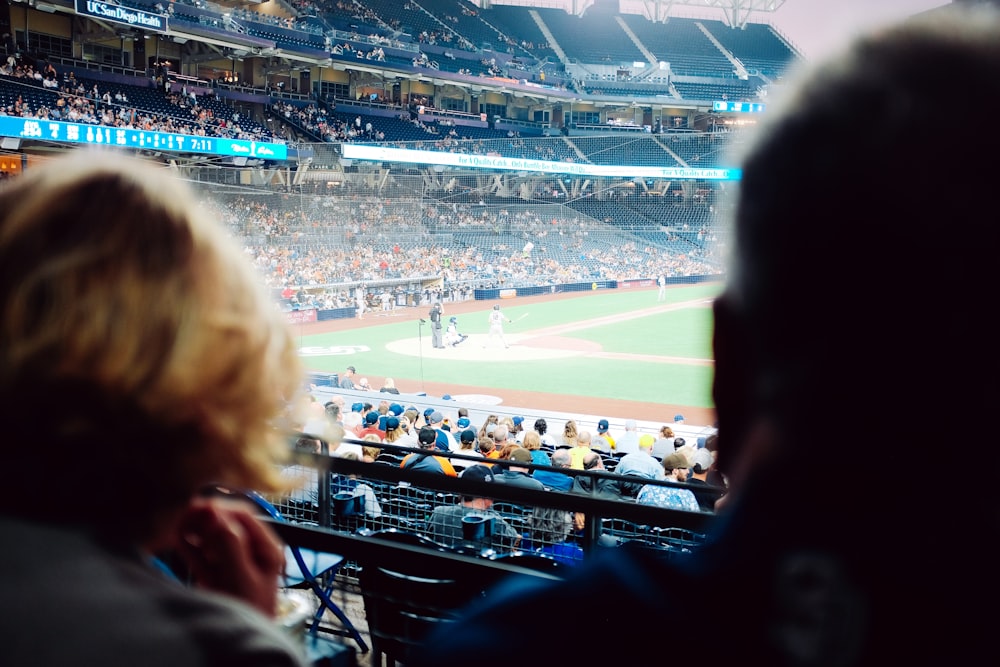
{"x": 497, "y": 318}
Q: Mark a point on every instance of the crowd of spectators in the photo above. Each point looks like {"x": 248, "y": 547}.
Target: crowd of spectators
{"x": 105, "y": 105}
{"x": 319, "y": 241}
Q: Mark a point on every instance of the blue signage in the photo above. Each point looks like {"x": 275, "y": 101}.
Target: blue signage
{"x": 737, "y": 107}
{"x": 81, "y": 133}
{"x": 118, "y": 14}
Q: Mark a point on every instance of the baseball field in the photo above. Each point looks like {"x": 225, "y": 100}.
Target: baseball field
{"x": 616, "y": 353}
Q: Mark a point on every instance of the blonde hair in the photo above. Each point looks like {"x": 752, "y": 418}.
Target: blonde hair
{"x": 150, "y": 326}
{"x": 532, "y": 440}
{"x": 570, "y": 433}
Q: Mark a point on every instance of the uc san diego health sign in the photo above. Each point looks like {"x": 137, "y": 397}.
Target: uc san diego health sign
{"x": 123, "y": 15}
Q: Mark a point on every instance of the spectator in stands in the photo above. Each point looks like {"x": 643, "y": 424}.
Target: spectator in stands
{"x": 490, "y": 420}
{"x": 702, "y": 461}
{"x": 389, "y": 386}
{"x": 533, "y": 443}
{"x": 675, "y": 469}
{"x": 581, "y": 449}
{"x": 664, "y": 445}
{"x": 811, "y": 572}
{"x": 162, "y": 335}
{"x": 542, "y": 427}
{"x": 371, "y": 426}
{"x": 549, "y": 535}
{"x": 428, "y": 462}
{"x": 629, "y": 442}
{"x": 603, "y": 442}
{"x": 639, "y": 464}
{"x": 501, "y": 436}
{"x": 569, "y": 435}
{"x": 446, "y": 520}
{"x": 552, "y": 479}
{"x": 601, "y": 487}
{"x": 518, "y": 475}
{"x": 347, "y": 379}
{"x": 517, "y": 432}
{"x": 445, "y": 440}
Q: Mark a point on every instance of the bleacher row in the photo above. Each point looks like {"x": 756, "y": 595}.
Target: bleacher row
{"x": 348, "y": 496}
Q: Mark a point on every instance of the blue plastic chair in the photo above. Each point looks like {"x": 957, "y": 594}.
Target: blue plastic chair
{"x": 311, "y": 568}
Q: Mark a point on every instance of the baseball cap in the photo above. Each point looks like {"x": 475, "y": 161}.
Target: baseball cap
{"x": 674, "y": 461}
{"x": 702, "y": 460}
{"x": 602, "y": 426}
{"x": 446, "y": 397}
{"x": 646, "y": 441}
{"x": 435, "y": 417}
{"x": 357, "y": 407}
{"x": 391, "y": 424}
{"x": 352, "y": 369}
{"x": 427, "y": 436}
{"x": 679, "y": 442}
{"x": 678, "y": 417}
{"x": 396, "y": 409}
{"x": 428, "y": 412}
{"x": 520, "y": 454}
{"x": 477, "y": 473}
{"x": 463, "y": 422}
{"x": 468, "y": 435}
{"x": 371, "y": 417}
{"x": 518, "y": 420}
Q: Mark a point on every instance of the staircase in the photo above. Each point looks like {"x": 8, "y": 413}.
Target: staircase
{"x": 741, "y": 71}
{"x": 654, "y": 63}
{"x": 549, "y": 37}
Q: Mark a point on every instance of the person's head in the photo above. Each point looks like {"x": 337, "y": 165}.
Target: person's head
{"x": 603, "y": 426}
{"x": 506, "y": 448}
{"x": 477, "y": 473}
{"x": 486, "y": 445}
{"x": 392, "y": 430}
{"x": 786, "y": 356}
{"x": 371, "y": 419}
{"x": 666, "y": 432}
{"x": 427, "y": 437}
{"x": 561, "y": 458}
{"x": 372, "y": 438}
{"x": 500, "y": 434}
{"x": 467, "y": 439}
{"x": 550, "y": 526}
{"x": 519, "y": 455}
{"x": 532, "y": 440}
{"x": 569, "y": 431}
{"x": 389, "y": 383}
{"x": 593, "y": 461}
{"x": 541, "y": 426}
{"x": 370, "y": 452}
{"x": 646, "y": 442}
{"x": 674, "y": 463}
{"x": 117, "y": 291}
{"x": 630, "y": 425}
{"x": 350, "y": 371}
{"x": 583, "y": 439}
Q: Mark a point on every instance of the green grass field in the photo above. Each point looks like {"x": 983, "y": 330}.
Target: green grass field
{"x": 639, "y": 372}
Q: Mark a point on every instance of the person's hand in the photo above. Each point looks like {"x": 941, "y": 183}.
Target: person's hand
{"x": 229, "y": 550}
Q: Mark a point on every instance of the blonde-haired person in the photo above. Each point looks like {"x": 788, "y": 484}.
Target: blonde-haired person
{"x": 569, "y": 434}
{"x": 173, "y": 364}
{"x": 533, "y": 443}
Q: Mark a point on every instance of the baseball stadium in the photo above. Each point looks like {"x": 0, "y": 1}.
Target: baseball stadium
{"x": 479, "y": 221}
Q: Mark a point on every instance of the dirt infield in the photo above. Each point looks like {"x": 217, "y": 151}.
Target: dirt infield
{"x": 547, "y": 343}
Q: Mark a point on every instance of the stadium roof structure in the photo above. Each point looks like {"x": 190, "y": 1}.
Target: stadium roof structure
{"x": 737, "y": 12}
